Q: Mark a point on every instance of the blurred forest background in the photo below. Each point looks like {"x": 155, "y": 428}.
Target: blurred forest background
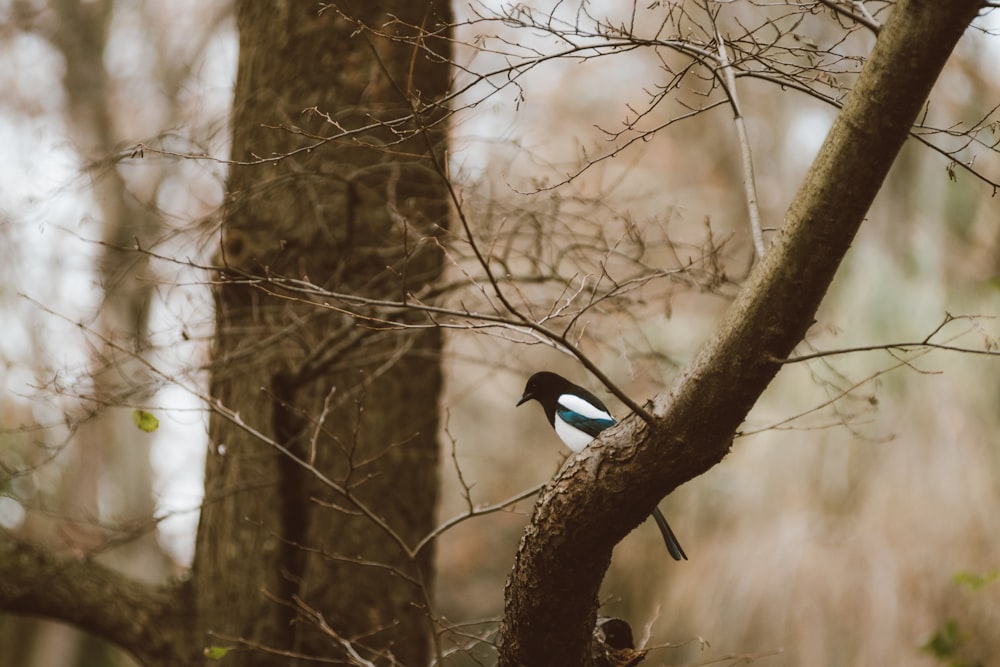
{"x": 855, "y": 521}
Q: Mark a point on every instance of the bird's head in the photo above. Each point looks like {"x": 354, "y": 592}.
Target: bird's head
{"x": 543, "y": 385}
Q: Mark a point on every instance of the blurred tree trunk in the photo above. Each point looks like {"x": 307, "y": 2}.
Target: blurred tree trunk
{"x": 104, "y": 444}
{"x": 284, "y": 560}
{"x": 107, "y": 438}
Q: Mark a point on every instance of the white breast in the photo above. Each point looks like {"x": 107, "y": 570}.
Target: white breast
{"x": 574, "y": 438}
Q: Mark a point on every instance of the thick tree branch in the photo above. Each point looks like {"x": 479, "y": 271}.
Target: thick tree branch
{"x": 551, "y": 595}
{"x": 144, "y": 620}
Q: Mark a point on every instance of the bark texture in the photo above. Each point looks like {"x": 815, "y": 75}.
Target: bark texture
{"x": 285, "y": 560}
{"x": 551, "y": 594}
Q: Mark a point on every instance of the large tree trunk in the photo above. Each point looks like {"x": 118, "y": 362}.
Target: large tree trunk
{"x": 320, "y": 402}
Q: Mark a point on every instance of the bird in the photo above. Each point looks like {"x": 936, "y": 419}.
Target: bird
{"x": 578, "y": 417}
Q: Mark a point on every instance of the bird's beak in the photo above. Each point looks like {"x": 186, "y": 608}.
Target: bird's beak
{"x": 525, "y": 398}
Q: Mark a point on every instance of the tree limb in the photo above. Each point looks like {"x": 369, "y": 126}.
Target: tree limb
{"x": 749, "y": 175}
{"x": 142, "y": 619}
{"x": 613, "y": 485}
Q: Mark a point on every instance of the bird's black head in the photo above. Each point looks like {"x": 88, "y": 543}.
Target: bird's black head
{"x": 544, "y": 386}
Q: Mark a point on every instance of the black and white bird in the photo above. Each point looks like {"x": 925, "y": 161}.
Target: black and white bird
{"x": 578, "y": 416}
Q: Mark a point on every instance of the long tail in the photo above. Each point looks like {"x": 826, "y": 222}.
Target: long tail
{"x": 673, "y": 546}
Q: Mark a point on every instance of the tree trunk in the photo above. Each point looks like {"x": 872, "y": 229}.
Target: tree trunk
{"x": 104, "y": 444}
{"x": 324, "y": 459}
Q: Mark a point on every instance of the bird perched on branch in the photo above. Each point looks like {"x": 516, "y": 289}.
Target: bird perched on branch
{"x": 578, "y": 416}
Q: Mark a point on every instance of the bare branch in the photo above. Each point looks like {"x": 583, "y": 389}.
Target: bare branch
{"x": 749, "y": 178}
{"x": 861, "y": 15}
{"x": 144, "y": 620}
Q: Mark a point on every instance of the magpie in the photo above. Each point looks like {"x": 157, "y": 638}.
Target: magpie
{"x": 578, "y": 416}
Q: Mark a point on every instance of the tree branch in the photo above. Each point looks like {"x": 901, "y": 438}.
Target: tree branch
{"x": 613, "y": 485}
{"x": 146, "y": 621}
{"x": 749, "y": 176}
{"x": 862, "y": 16}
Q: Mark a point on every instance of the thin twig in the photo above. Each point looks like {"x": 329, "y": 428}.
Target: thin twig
{"x": 861, "y": 17}
{"x": 749, "y": 180}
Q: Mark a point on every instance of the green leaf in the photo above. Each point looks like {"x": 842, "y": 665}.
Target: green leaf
{"x": 145, "y": 420}
{"x": 974, "y": 581}
{"x": 945, "y": 642}
{"x": 216, "y": 652}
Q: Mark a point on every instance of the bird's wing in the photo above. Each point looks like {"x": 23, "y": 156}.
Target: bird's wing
{"x": 583, "y": 415}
